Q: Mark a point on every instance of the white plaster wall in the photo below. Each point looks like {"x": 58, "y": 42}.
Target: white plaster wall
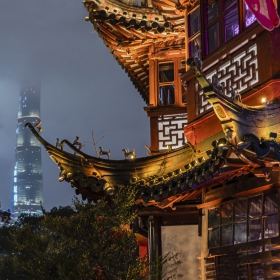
{"x": 185, "y": 241}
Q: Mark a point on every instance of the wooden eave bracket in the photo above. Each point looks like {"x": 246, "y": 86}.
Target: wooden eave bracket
{"x": 120, "y": 8}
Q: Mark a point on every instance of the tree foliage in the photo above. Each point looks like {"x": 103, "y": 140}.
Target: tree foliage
{"x": 87, "y": 241}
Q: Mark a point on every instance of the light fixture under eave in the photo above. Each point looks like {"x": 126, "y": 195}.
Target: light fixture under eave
{"x": 108, "y": 189}
{"x": 222, "y": 143}
{"x": 263, "y": 100}
{"x": 61, "y": 178}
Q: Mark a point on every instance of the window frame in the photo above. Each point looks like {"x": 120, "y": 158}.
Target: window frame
{"x": 246, "y": 220}
{"x": 204, "y": 26}
{"x": 177, "y": 63}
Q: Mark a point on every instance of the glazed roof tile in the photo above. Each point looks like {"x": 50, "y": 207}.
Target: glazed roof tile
{"x": 128, "y": 30}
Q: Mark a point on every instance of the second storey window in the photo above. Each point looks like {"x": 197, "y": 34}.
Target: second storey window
{"x": 166, "y": 92}
{"x": 231, "y": 21}
{"x": 194, "y": 33}
{"x": 211, "y": 21}
{"x": 221, "y": 19}
{"x": 249, "y": 16}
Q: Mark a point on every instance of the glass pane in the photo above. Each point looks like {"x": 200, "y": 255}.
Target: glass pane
{"x": 194, "y": 22}
{"x": 240, "y": 209}
{"x": 257, "y": 272}
{"x": 255, "y": 230}
{"x": 249, "y": 16}
{"x": 229, "y": 3}
{"x": 271, "y": 226}
{"x": 227, "y": 235}
{"x": 226, "y": 213}
{"x": 254, "y": 249}
{"x": 240, "y": 233}
{"x": 184, "y": 92}
{"x": 195, "y": 47}
{"x": 166, "y": 72}
{"x": 212, "y": 38}
{"x": 231, "y": 24}
{"x": 211, "y": 10}
{"x": 271, "y": 203}
{"x": 213, "y": 217}
{"x": 213, "y": 238}
{"x": 166, "y": 95}
{"x": 255, "y": 206}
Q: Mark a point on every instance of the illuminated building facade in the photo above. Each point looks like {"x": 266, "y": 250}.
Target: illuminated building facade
{"x": 210, "y": 188}
{"x": 28, "y": 180}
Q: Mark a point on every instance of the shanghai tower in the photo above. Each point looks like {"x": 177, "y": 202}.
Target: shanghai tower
{"x": 28, "y": 179}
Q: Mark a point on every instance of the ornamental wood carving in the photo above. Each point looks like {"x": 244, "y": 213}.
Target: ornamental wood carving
{"x": 239, "y": 71}
{"x": 171, "y": 131}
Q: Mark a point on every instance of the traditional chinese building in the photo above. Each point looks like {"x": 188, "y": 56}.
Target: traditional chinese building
{"x": 210, "y": 75}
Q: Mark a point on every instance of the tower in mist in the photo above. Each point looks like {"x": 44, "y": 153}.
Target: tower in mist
{"x": 28, "y": 179}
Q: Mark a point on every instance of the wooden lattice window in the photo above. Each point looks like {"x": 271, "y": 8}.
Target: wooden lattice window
{"x": 171, "y": 131}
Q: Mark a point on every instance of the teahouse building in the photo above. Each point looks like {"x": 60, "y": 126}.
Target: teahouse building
{"x": 210, "y": 75}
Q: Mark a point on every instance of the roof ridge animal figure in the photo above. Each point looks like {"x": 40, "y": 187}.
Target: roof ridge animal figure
{"x": 58, "y": 144}
{"x": 102, "y": 152}
{"x": 77, "y": 143}
{"x": 128, "y": 153}
{"x": 235, "y": 95}
{"x": 217, "y": 84}
{"x": 38, "y": 126}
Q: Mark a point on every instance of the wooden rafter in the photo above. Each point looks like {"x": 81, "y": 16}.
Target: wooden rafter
{"x": 165, "y": 3}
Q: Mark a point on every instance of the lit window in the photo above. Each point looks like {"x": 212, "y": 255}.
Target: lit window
{"x": 249, "y": 16}
{"x": 194, "y": 33}
{"x": 243, "y": 221}
{"x": 166, "y": 92}
{"x": 231, "y": 24}
{"x": 221, "y": 23}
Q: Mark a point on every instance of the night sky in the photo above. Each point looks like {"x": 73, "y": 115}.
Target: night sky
{"x": 82, "y": 88}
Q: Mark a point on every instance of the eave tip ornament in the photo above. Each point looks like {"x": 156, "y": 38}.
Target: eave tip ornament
{"x": 38, "y": 126}
{"x": 265, "y": 13}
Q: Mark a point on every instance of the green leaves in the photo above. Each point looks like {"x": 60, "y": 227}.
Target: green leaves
{"x": 86, "y": 241}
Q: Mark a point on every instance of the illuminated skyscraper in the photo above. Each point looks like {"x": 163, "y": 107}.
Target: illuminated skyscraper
{"x": 28, "y": 179}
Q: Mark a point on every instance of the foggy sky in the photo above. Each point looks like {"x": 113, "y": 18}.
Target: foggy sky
{"x": 82, "y": 88}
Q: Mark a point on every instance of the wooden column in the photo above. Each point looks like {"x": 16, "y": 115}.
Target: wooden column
{"x": 154, "y": 133}
{"x": 151, "y": 241}
{"x": 152, "y": 77}
{"x": 158, "y": 223}
{"x": 186, "y": 38}
{"x": 191, "y": 104}
{"x": 154, "y": 240}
